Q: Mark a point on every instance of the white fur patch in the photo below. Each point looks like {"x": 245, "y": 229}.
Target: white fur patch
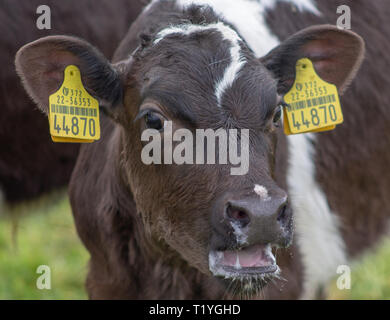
{"x": 151, "y": 3}
{"x": 235, "y": 51}
{"x": 262, "y": 192}
{"x": 236, "y": 63}
{"x": 184, "y": 29}
{"x": 317, "y": 227}
{"x": 247, "y": 16}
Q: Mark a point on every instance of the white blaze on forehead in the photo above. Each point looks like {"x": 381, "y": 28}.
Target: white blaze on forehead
{"x": 235, "y": 66}
{"x": 228, "y": 34}
{"x": 248, "y": 17}
{"x": 184, "y": 29}
{"x": 262, "y": 192}
{"x": 302, "y": 5}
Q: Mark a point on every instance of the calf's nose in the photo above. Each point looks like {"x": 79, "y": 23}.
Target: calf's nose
{"x": 255, "y": 220}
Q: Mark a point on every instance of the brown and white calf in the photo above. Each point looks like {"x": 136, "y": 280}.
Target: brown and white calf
{"x": 176, "y": 231}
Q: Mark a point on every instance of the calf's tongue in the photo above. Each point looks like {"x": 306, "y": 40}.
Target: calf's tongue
{"x": 254, "y": 256}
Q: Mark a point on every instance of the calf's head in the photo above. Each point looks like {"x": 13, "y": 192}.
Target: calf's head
{"x": 196, "y": 77}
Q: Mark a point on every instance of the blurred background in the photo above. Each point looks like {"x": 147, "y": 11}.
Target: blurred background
{"x": 36, "y": 224}
{"x": 41, "y": 232}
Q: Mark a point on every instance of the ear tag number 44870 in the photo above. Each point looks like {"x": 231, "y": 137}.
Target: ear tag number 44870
{"x": 313, "y": 105}
{"x": 73, "y": 112}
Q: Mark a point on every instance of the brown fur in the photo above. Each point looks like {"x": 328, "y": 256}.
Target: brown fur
{"x": 148, "y": 228}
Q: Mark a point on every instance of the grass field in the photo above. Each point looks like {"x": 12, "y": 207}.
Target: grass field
{"x": 42, "y": 233}
{"x": 45, "y": 236}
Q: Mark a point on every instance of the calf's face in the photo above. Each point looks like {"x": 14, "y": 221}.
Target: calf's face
{"x": 197, "y": 78}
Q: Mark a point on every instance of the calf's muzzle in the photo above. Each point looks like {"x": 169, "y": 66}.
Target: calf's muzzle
{"x": 250, "y": 220}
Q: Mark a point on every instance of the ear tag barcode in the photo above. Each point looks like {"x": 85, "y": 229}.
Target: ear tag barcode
{"x": 312, "y": 104}
{"x": 73, "y": 112}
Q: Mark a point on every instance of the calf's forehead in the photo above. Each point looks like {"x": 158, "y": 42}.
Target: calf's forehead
{"x": 204, "y": 69}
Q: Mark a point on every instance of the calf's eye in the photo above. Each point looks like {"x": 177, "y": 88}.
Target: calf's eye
{"x": 154, "y": 121}
{"x": 277, "y": 115}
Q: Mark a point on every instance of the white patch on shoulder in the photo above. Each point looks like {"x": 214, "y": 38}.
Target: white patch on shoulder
{"x": 228, "y": 34}
{"x": 262, "y": 192}
{"x": 317, "y": 227}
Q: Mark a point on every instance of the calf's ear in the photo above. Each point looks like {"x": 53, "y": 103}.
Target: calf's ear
{"x": 336, "y": 55}
{"x": 41, "y": 64}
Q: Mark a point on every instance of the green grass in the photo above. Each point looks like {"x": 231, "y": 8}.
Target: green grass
{"x": 370, "y": 278}
{"x": 46, "y": 236}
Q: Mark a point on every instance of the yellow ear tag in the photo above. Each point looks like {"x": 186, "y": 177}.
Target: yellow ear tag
{"x": 73, "y": 112}
{"x": 313, "y": 105}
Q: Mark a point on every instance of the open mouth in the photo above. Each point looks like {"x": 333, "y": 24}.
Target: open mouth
{"x": 247, "y": 262}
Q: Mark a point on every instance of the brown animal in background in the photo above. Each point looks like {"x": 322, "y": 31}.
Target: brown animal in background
{"x": 170, "y": 231}
{"x": 30, "y": 163}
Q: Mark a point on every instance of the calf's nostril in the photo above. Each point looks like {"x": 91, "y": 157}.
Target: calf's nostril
{"x": 237, "y": 215}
